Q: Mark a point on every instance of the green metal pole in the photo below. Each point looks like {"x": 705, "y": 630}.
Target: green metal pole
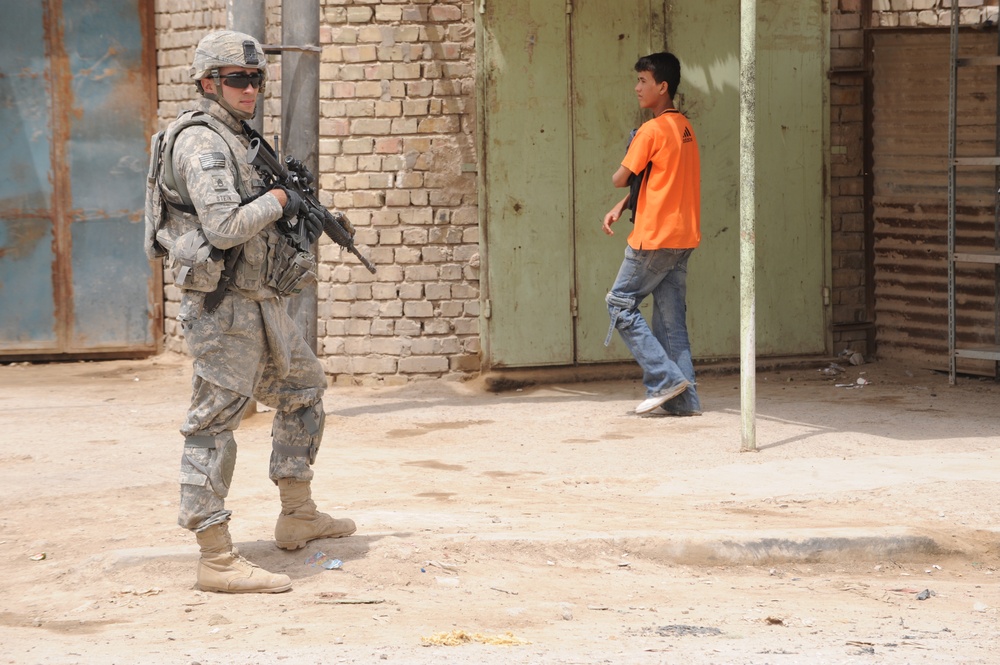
{"x": 300, "y": 124}
{"x": 249, "y": 16}
{"x": 748, "y": 213}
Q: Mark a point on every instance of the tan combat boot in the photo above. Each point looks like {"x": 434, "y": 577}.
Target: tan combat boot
{"x": 222, "y": 569}
{"x": 300, "y": 522}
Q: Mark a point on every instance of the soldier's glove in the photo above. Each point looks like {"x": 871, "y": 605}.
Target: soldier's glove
{"x": 314, "y": 222}
{"x": 292, "y": 205}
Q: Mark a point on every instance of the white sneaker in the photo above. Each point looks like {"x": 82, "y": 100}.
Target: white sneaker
{"x": 661, "y": 397}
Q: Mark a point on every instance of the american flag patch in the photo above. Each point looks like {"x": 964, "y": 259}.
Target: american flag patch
{"x": 212, "y": 160}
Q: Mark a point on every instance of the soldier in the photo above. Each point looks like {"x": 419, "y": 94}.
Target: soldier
{"x": 232, "y": 264}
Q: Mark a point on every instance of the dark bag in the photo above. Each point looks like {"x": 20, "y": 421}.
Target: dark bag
{"x": 635, "y": 182}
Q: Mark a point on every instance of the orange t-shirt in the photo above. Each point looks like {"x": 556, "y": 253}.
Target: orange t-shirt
{"x": 668, "y": 212}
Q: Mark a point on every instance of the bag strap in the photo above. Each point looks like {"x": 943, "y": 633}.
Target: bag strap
{"x": 635, "y": 183}
{"x": 175, "y": 193}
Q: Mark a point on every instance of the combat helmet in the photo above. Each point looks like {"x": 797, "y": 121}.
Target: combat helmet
{"x": 227, "y": 48}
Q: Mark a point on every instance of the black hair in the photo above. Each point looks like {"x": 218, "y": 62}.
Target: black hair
{"x": 664, "y": 67}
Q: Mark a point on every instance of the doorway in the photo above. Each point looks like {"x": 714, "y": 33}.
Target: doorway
{"x": 557, "y": 105}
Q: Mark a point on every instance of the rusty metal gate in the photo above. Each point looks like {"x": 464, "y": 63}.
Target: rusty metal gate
{"x": 910, "y": 203}
{"x": 77, "y": 106}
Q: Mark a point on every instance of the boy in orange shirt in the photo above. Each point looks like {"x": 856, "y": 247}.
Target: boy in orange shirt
{"x": 667, "y": 229}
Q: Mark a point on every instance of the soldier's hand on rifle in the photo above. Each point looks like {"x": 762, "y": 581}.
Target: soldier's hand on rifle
{"x": 292, "y": 204}
{"x": 314, "y": 224}
{"x": 279, "y": 194}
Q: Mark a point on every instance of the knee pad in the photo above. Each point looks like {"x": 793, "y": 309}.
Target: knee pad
{"x": 299, "y": 433}
{"x": 209, "y": 461}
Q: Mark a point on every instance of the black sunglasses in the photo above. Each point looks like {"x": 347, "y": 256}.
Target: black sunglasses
{"x": 241, "y": 80}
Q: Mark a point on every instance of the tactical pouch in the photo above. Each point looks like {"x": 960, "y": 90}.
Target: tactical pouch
{"x": 290, "y": 269}
{"x": 197, "y": 265}
{"x": 252, "y": 267}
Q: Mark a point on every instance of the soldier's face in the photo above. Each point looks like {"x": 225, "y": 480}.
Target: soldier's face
{"x": 245, "y": 98}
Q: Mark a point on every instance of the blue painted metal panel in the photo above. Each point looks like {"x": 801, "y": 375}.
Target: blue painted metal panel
{"x": 105, "y": 255}
{"x": 75, "y": 92}
{"x": 27, "y": 319}
{"x": 107, "y": 159}
{"x": 27, "y": 255}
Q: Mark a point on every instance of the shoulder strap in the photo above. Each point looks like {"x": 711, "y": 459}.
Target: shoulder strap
{"x": 172, "y": 194}
{"x": 635, "y": 182}
{"x": 175, "y": 193}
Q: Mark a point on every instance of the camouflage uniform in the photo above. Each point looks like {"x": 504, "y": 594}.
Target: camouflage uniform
{"x": 206, "y": 207}
{"x": 248, "y": 347}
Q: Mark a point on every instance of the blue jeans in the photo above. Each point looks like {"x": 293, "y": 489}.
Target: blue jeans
{"x": 664, "y": 353}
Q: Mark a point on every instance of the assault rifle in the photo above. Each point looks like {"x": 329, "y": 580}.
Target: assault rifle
{"x": 295, "y": 176}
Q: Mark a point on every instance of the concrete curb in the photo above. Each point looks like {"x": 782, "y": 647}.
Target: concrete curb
{"x": 770, "y": 551}
{"x": 701, "y": 548}
{"x": 757, "y": 548}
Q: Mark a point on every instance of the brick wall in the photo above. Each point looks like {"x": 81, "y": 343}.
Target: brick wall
{"x": 915, "y": 13}
{"x": 179, "y": 26}
{"x": 397, "y": 154}
{"x": 848, "y": 293}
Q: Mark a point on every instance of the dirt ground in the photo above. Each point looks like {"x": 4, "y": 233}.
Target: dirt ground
{"x": 545, "y": 525}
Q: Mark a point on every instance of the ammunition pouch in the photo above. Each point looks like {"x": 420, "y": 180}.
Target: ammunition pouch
{"x": 291, "y": 270}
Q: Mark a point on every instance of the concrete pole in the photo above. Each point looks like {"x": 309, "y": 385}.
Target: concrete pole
{"x": 748, "y": 215}
{"x": 300, "y": 120}
{"x": 249, "y": 16}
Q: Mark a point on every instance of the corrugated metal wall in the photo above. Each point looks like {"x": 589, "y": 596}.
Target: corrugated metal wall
{"x": 910, "y": 177}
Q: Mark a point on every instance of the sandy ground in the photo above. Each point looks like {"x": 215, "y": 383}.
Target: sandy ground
{"x": 546, "y": 525}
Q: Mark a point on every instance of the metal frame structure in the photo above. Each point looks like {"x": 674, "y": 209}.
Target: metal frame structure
{"x": 970, "y": 256}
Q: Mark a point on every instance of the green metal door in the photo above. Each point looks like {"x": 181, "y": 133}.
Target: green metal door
{"x": 558, "y": 104}
{"x": 528, "y": 201}
{"x": 792, "y": 221}
{"x": 547, "y": 167}
{"x": 607, "y": 40}
{"x": 77, "y": 102}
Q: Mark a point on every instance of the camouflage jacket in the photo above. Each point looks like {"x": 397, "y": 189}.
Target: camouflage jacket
{"x": 210, "y": 171}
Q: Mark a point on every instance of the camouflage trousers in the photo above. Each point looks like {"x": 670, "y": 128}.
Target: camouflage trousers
{"x": 244, "y": 350}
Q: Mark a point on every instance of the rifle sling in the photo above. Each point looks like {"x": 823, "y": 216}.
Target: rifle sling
{"x": 252, "y": 133}
{"x": 190, "y": 210}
